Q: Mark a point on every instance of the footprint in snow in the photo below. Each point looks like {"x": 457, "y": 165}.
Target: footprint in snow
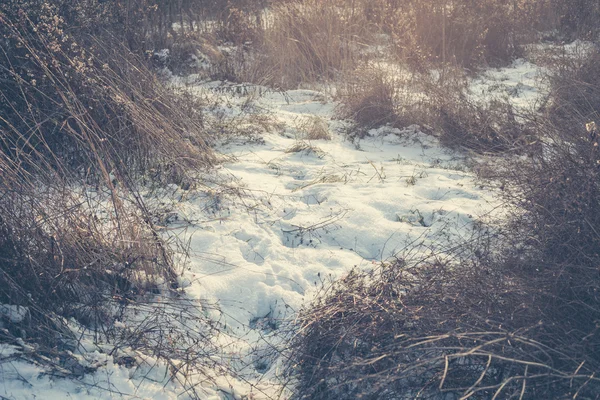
{"x": 254, "y": 249}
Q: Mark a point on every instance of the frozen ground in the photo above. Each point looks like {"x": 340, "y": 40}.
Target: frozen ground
{"x": 282, "y": 214}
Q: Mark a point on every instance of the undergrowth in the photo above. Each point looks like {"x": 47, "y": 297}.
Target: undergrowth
{"x": 440, "y": 102}
{"x": 83, "y": 123}
{"x": 516, "y": 315}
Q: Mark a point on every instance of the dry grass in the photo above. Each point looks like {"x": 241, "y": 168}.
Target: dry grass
{"x": 485, "y": 128}
{"x": 431, "y": 328}
{"x": 314, "y": 128}
{"x": 375, "y": 96}
{"x": 513, "y": 314}
{"x": 440, "y": 102}
{"x": 463, "y": 33}
{"x": 305, "y": 42}
{"x": 575, "y": 89}
{"x": 371, "y": 98}
{"x": 80, "y": 129}
{"x": 306, "y": 149}
{"x": 295, "y": 42}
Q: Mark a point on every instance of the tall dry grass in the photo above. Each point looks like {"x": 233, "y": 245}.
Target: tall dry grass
{"x": 440, "y": 102}
{"x": 435, "y": 327}
{"x": 307, "y": 41}
{"x": 373, "y": 96}
{"x": 465, "y": 33}
{"x": 80, "y": 128}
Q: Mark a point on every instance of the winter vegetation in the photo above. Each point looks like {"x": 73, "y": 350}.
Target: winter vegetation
{"x": 300, "y": 199}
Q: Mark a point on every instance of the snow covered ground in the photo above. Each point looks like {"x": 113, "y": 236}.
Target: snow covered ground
{"x": 521, "y": 83}
{"x": 283, "y": 214}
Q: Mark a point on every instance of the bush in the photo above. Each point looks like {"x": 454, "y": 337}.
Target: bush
{"x": 578, "y": 18}
{"x": 306, "y": 42}
{"x": 373, "y": 97}
{"x": 434, "y": 329}
{"x": 574, "y": 89}
{"x": 483, "y": 127}
{"x": 555, "y": 225}
{"x": 82, "y": 124}
{"x": 556, "y": 190}
{"x": 515, "y": 316}
{"x": 467, "y": 33}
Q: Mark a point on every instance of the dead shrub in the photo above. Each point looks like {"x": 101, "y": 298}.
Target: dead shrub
{"x": 441, "y": 101}
{"x": 555, "y": 190}
{"x": 240, "y": 21}
{"x": 483, "y": 127}
{"x": 578, "y": 18}
{"x": 574, "y": 89}
{"x": 374, "y": 97}
{"x": 306, "y": 42}
{"x": 80, "y": 127}
{"x": 191, "y": 53}
{"x": 555, "y": 224}
{"x": 431, "y": 328}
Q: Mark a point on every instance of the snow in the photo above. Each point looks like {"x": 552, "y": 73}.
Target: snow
{"x": 21, "y": 380}
{"x": 14, "y": 314}
{"x": 301, "y": 215}
{"x": 521, "y": 83}
{"x": 278, "y": 217}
